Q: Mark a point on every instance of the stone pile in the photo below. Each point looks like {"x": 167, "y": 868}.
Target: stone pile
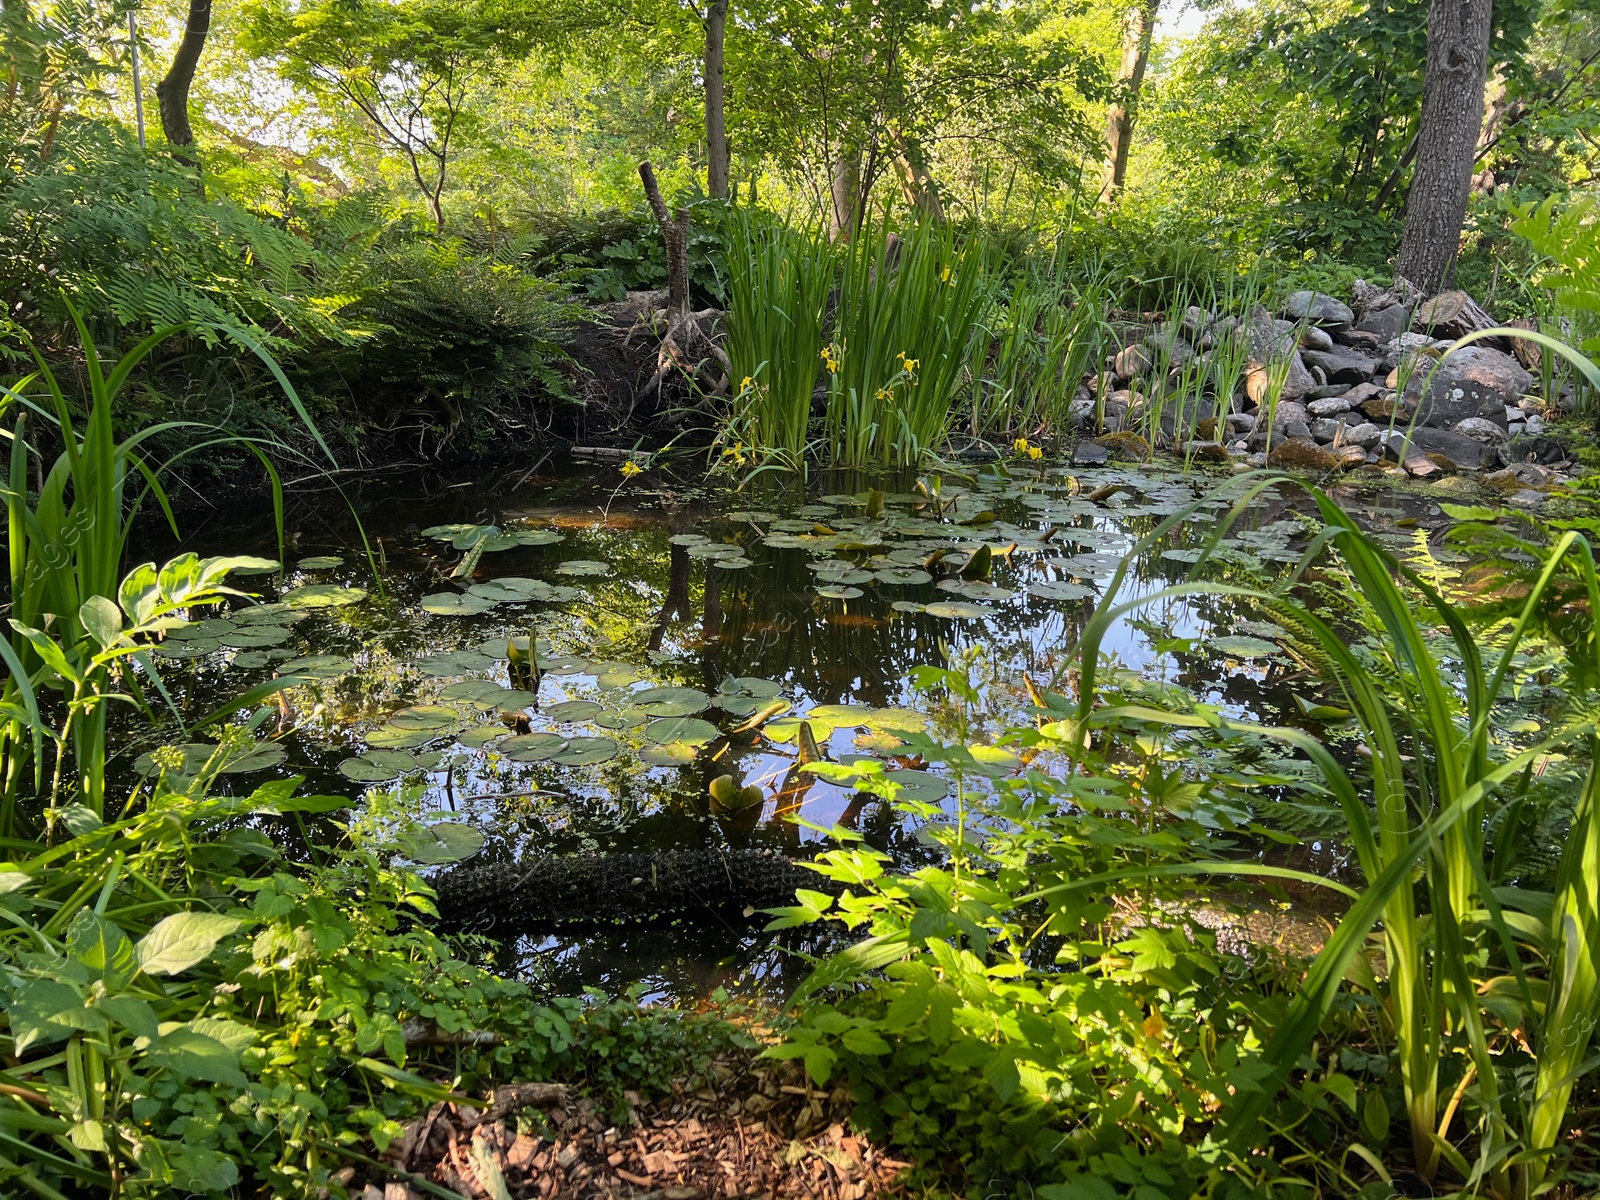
{"x": 1362, "y": 384}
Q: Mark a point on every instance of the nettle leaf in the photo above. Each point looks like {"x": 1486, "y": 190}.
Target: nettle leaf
{"x": 182, "y": 940}
{"x": 1001, "y": 1072}
{"x": 103, "y": 948}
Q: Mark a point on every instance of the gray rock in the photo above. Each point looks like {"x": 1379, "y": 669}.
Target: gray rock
{"x": 1080, "y": 413}
{"x": 1313, "y": 338}
{"x": 1474, "y": 382}
{"x": 1361, "y": 393}
{"x": 1342, "y": 365}
{"x": 1317, "y": 308}
{"x": 1534, "y": 424}
{"x": 1133, "y": 362}
{"x": 1465, "y": 453}
{"x": 1195, "y": 322}
{"x": 1326, "y": 429}
{"x": 1258, "y": 459}
{"x": 1527, "y": 499}
{"x": 1330, "y": 406}
{"x": 1089, "y": 454}
{"x": 1388, "y": 322}
{"x": 1515, "y": 412}
{"x": 1298, "y": 430}
{"x": 1241, "y": 422}
{"x": 1366, "y": 435}
{"x": 1480, "y": 430}
{"x": 1271, "y": 349}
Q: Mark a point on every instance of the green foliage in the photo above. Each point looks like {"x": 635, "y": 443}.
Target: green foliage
{"x": 609, "y": 254}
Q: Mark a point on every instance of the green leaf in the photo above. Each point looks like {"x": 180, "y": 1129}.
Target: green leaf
{"x": 102, "y": 948}
{"x": 44, "y": 1011}
{"x": 190, "y": 1054}
{"x": 182, "y": 940}
{"x": 101, "y": 618}
{"x": 446, "y": 842}
{"x": 132, "y": 1013}
{"x": 1001, "y": 1072}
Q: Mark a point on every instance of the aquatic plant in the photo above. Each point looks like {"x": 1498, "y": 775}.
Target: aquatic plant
{"x": 778, "y": 280}
{"x": 66, "y": 541}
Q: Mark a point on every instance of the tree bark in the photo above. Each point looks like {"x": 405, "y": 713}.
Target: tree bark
{"x": 845, "y": 187}
{"x": 1447, "y": 140}
{"x": 1138, "y": 27}
{"x": 716, "y": 107}
{"x": 916, "y": 181}
{"x": 173, "y": 91}
{"x": 675, "y": 232}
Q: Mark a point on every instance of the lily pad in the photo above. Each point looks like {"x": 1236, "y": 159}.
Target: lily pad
{"x": 838, "y": 593}
{"x": 480, "y": 736}
{"x": 786, "y": 729}
{"x": 195, "y": 757}
{"x": 672, "y": 754}
{"x": 538, "y": 537}
{"x": 626, "y": 718}
{"x": 454, "y": 662}
{"x": 731, "y": 562}
{"x": 574, "y": 710}
{"x": 495, "y": 647}
{"x": 587, "y": 752}
{"x": 533, "y": 747}
{"x": 1243, "y": 647}
{"x": 896, "y": 720}
{"x": 512, "y": 589}
{"x": 670, "y": 701}
{"x": 583, "y": 566}
{"x": 250, "y": 659}
{"x": 446, "y": 842}
{"x": 616, "y": 674}
{"x": 320, "y": 562}
{"x": 368, "y": 770}
{"x": 958, "y": 610}
{"x": 922, "y": 786}
{"x": 903, "y": 575}
{"x": 267, "y": 614}
{"x": 318, "y": 666}
{"x": 840, "y": 716}
{"x": 690, "y": 731}
{"x": 196, "y": 648}
{"x": 392, "y": 737}
{"x": 1059, "y": 589}
{"x": 748, "y": 685}
{"x": 481, "y": 693}
{"x": 425, "y": 716}
{"x": 253, "y": 637}
{"x": 323, "y": 595}
{"x": 455, "y": 604}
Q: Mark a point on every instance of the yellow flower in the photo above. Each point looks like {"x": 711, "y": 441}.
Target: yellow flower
{"x": 945, "y": 277}
{"x": 1035, "y": 453}
{"x": 630, "y": 469}
{"x": 745, "y": 383}
{"x": 1020, "y": 445}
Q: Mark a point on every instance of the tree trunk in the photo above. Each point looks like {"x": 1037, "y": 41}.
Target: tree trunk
{"x": 675, "y": 232}
{"x": 1138, "y": 27}
{"x": 173, "y": 90}
{"x": 716, "y": 109}
{"x": 1447, "y": 140}
{"x": 916, "y": 181}
{"x": 845, "y": 186}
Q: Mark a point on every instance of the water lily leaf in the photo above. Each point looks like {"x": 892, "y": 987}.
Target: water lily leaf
{"x": 425, "y": 716}
{"x": 1059, "y": 589}
{"x": 320, "y": 562}
{"x": 250, "y": 659}
{"x": 574, "y": 710}
{"x": 897, "y": 720}
{"x": 318, "y": 666}
{"x": 755, "y": 516}
{"x": 1243, "y": 647}
{"x": 787, "y": 541}
{"x": 446, "y": 533}
{"x": 454, "y": 662}
{"x": 566, "y": 666}
{"x": 516, "y": 701}
{"x": 367, "y": 770}
{"x": 481, "y": 693}
{"x": 840, "y": 716}
{"x": 688, "y": 539}
{"x": 496, "y": 647}
{"x": 786, "y": 729}
{"x": 711, "y": 550}
{"x": 1183, "y": 554}
{"x": 257, "y": 758}
{"x": 455, "y": 604}
{"x": 195, "y": 648}
{"x": 583, "y": 566}
{"x": 690, "y": 731}
{"x": 392, "y": 737}
{"x": 538, "y": 537}
{"x": 323, "y": 595}
{"x": 512, "y": 589}
{"x": 267, "y": 614}
{"x": 254, "y": 636}
{"x": 670, "y": 701}
{"x": 732, "y": 562}
{"x": 907, "y": 606}
{"x": 533, "y": 747}
{"x": 838, "y": 593}
{"x": 586, "y": 752}
{"x": 626, "y": 718}
{"x": 922, "y": 786}
{"x": 480, "y": 736}
{"x": 672, "y": 754}
{"x": 903, "y": 575}
{"x": 958, "y": 610}
{"x": 195, "y": 757}
{"x": 747, "y": 685}
{"x": 876, "y": 742}
{"x": 435, "y": 845}
{"x": 616, "y": 674}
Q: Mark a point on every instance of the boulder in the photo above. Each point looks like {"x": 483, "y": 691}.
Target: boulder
{"x": 1329, "y": 406}
{"x": 1361, "y": 393}
{"x": 1302, "y": 454}
{"x": 1133, "y": 362}
{"x": 1472, "y": 382}
{"x": 1386, "y": 323}
{"x": 1480, "y": 430}
{"x": 1314, "y": 338}
{"x": 1208, "y": 452}
{"x": 1359, "y": 338}
{"x": 1241, "y": 422}
{"x": 1342, "y": 365}
{"x": 1453, "y": 451}
{"x": 1195, "y": 322}
{"x": 1366, "y": 435}
{"x": 1088, "y": 454}
{"x": 1386, "y": 408}
{"x": 1327, "y": 429}
{"x": 1274, "y": 350}
{"x": 1317, "y": 308}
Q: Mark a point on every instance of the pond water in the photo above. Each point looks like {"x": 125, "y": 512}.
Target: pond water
{"x": 666, "y": 612}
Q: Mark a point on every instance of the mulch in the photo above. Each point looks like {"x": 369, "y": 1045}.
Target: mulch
{"x": 755, "y": 1130}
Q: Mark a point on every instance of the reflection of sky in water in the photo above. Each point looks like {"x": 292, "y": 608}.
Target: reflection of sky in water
{"x": 691, "y": 624}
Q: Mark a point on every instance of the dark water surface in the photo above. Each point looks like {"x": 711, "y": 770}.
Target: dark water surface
{"x": 635, "y": 585}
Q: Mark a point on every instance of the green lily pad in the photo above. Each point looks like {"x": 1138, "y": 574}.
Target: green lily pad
{"x": 318, "y": 666}
{"x": 254, "y": 758}
{"x": 392, "y": 737}
{"x": 839, "y": 593}
{"x": 366, "y": 769}
{"x": 513, "y": 589}
{"x": 533, "y": 747}
{"x": 671, "y": 754}
{"x": 516, "y": 701}
{"x": 195, "y": 648}
{"x": 495, "y": 647}
{"x": 455, "y": 604}
{"x": 1243, "y": 647}
{"x": 749, "y": 685}
{"x": 323, "y": 595}
{"x": 731, "y": 562}
{"x": 616, "y": 674}
{"x": 574, "y": 710}
{"x": 922, "y": 786}
{"x": 1059, "y": 589}
{"x": 907, "y": 606}
{"x": 195, "y": 757}
{"x": 748, "y": 706}
{"x": 670, "y": 701}
{"x": 254, "y": 637}
{"x": 320, "y": 562}
{"x": 566, "y": 666}
{"x": 447, "y": 533}
{"x": 480, "y": 736}
{"x": 957, "y": 610}
{"x": 626, "y": 718}
{"x": 896, "y": 720}
{"x": 480, "y": 693}
{"x": 453, "y": 662}
{"x": 267, "y": 614}
{"x": 250, "y": 659}
{"x": 690, "y": 731}
{"x": 903, "y": 575}
{"x": 538, "y": 537}
{"x": 841, "y": 716}
{"x": 436, "y": 845}
{"x": 786, "y": 729}
{"x": 425, "y": 716}
{"x": 586, "y": 752}
{"x": 583, "y": 566}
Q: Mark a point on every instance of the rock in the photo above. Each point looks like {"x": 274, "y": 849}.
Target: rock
{"x": 1473, "y": 382}
{"x": 1208, "y": 452}
{"x": 1241, "y": 422}
{"x": 1080, "y": 413}
{"x": 1386, "y": 408}
{"x": 1195, "y": 322}
{"x": 1327, "y": 429}
{"x": 1302, "y": 454}
{"x": 1223, "y": 326}
{"x": 1534, "y": 424}
{"x": 1359, "y": 338}
{"x": 1133, "y": 362}
{"x": 1366, "y": 435}
{"x": 1258, "y": 459}
{"x": 1361, "y": 393}
{"x": 1089, "y": 454}
{"x": 1314, "y": 338}
{"x": 1297, "y": 429}
{"x": 1126, "y": 445}
{"x": 1530, "y": 449}
{"x": 1420, "y": 466}
{"x": 1456, "y": 451}
{"x": 1387, "y": 323}
{"x": 1330, "y": 406}
{"x": 1527, "y": 499}
{"x": 1342, "y": 365}
{"x": 1317, "y": 308}
{"x": 1480, "y": 430}
{"x": 1455, "y": 314}
{"x": 1527, "y": 352}
{"x": 1351, "y": 456}
{"x": 1273, "y": 352}
{"x": 1207, "y": 429}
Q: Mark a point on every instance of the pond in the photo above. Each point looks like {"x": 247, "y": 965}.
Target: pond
{"x": 665, "y": 613}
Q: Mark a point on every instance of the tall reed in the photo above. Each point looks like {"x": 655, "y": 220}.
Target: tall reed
{"x": 903, "y": 337}
{"x": 778, "y": 279}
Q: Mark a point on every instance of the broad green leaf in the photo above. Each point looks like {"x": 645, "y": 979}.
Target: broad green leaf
{"x": 182, "y": 940}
